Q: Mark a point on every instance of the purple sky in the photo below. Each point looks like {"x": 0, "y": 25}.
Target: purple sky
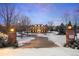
{"x": 42, "y": 13}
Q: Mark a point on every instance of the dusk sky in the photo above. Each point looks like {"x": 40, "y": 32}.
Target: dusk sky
{"x": 42, "y": 13}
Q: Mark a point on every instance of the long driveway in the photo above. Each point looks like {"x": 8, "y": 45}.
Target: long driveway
{"x": 55, "y": 51}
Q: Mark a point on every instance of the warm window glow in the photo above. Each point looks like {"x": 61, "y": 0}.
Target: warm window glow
{"x": 38, "y": 30}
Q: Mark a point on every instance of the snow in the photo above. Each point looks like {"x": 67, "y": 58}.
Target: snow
{"x": 58, "y": 39}
{"x": 78, "y": 35}
{"x": 23, "y": 40}
{"x": 3, "y": 36}
{"x": 41, "y": 35}
{"x": 55, "y": 51}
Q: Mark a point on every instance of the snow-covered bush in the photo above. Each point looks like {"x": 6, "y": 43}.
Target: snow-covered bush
{"x": 3, "y": 36}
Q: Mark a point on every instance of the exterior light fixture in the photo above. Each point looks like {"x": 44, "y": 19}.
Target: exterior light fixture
{"x": 12, "y": 30}
{"x": 69, "y": 27}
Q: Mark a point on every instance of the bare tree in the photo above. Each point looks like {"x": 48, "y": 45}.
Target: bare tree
{"x": 7, "y": 13}
{"x": 66, "y": 18}
{"x": 50, "y": 25}
{"x": 24, "y": 23}
{"x": 25, "y": 20}
{"x": 28, "y": 23}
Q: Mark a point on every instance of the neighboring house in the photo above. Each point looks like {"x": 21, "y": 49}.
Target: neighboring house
{"x": 38, "y": 28}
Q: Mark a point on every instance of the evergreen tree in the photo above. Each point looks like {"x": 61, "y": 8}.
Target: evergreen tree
{"x": 62, "y": 29}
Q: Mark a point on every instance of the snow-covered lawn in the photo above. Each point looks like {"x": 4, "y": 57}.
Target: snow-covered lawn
{"x": 55, "y": 51}
{"x": 23, "y": 40}
{"x": 58, "y": 39}
{"x": 58, "y": 51}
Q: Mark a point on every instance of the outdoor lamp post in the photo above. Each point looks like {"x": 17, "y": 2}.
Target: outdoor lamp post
{"x": 12, "y": 30}
{"x": 70, "y": 36}
{"x": 69, "y": 27}
{"x": 11, "y": 36}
